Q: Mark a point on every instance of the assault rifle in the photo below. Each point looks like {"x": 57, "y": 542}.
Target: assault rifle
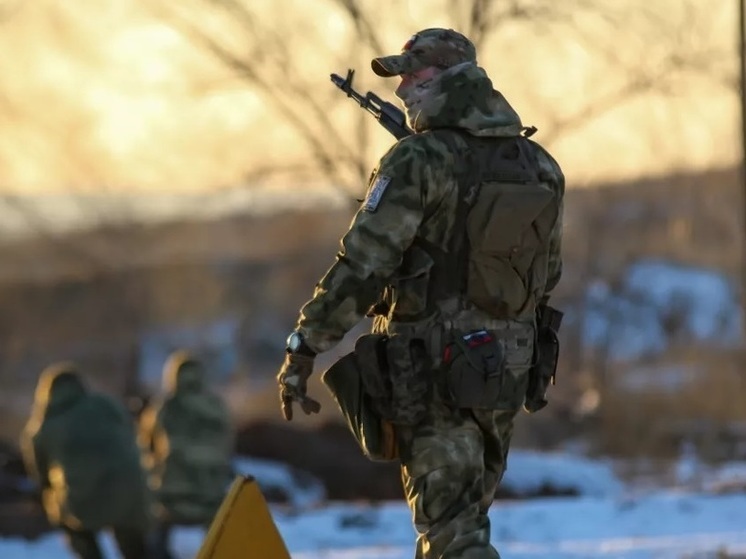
{"x": 391, "y": 118}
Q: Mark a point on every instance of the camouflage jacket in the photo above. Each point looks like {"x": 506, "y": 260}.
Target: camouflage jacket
{"x": 413, "y": 194}
{"x": 188, "y": 441}
{"x": 81, "y": 448}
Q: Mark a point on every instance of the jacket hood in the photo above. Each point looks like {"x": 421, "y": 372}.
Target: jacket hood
{"x": 463, "y": 97}
{"x": 183, "y": 373}
{"x": 59, "y": 387}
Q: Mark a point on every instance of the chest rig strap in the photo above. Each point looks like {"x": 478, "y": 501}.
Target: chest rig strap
{"x": 485, "y": 159}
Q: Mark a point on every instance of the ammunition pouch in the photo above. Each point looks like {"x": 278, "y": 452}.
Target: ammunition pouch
{"x": 474, "y": 366}
{"x": 383, "y": 383}
{"x": 546, "y": 355}
{"x": 403, "y": 364}
{"x": 375, "y": 436}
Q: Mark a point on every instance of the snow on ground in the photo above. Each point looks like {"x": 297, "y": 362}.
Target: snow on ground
{"x": 655, "y": 300}
{"x": 529, "y": 471}
{"x": 606, "y": 520}
{"x": 663, "y": 525}
{"x": 301, "y": 490}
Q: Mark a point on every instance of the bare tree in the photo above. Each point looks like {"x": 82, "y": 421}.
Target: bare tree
{"x": 257, "y": 46}
{"x": 263, "y": 49}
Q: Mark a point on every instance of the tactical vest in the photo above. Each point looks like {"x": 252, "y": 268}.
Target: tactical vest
{"x": 497, "y": 256}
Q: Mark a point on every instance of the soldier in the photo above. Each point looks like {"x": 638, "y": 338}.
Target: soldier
{"x": 81, "y": 449}
{"x": 188, "y": 442}
{"x": 454, "y": 248}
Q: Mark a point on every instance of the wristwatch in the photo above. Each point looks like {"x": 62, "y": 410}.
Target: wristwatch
{"x": 296, "y": 344}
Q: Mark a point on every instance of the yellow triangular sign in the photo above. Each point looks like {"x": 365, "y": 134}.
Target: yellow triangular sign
{"x": 243, "y": 528}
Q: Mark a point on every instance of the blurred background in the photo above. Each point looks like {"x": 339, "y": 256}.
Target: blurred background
{"x": 179, "y": 174}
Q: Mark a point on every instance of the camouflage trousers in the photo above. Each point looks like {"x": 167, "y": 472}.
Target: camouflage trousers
{"x": 453, "y": 459}
{"x": 451, "y": 465}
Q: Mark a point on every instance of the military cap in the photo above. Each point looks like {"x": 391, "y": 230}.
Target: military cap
{"x": 437, "y": 47}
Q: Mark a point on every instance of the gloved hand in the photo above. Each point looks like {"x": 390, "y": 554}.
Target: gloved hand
{"x": 292, "y": 380}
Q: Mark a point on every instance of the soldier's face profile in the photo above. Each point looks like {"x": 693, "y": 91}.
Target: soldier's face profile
{"x": 410, "y": 80}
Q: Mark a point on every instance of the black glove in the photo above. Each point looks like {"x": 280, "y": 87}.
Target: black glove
{"x": 292, "y": 380}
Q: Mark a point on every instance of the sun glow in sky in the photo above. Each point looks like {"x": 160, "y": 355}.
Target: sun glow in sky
{"x": 111, "y": 95}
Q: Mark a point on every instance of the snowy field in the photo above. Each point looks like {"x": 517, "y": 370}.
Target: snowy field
{"x": 608, "y": 519}
{"x": 697, "y": 514}
{"x": 665, "y": 525}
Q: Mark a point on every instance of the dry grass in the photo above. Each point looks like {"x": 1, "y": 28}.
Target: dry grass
{"x": 706, "y": 411}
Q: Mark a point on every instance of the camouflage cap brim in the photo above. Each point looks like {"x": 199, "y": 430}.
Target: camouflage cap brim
{"x": 388, "y": 66}
{"x": 395, "y": 65}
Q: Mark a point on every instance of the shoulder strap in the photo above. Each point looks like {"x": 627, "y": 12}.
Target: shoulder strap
{"x": 508, "y": 159}
{"x": 468, "y": 172}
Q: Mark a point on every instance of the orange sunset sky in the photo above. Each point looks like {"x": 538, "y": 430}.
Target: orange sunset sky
{"x": 107, "y": 95}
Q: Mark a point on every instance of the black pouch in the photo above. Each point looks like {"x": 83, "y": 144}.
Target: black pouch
{"x": 546, "y": 355}
{"x": 370, "y": 352}
{"x": 474, "y": 369}
{"x": 394, "y": 375}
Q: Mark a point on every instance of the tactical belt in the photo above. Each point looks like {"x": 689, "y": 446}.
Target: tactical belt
{"x": 437, "y": 334}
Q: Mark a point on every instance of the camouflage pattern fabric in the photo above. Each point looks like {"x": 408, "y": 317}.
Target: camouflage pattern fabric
{"x": 188, "y": 440}
{"x": 410, "y": 379}
{"x": 452, "y": 464}
{"x": 417, "y": 200}
{"x": 441, "y": 48}
{"x": 462, "y": 93}
{"x": 452, "y": 460}
{"x": 81, "y": 448}
{"x": 393, "y": 371}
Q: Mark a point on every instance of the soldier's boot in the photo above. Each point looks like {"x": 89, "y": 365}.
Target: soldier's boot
{"x": 161, "y": 540}
{"x": 83, "y": 543}
{"x": 132, "y": 543}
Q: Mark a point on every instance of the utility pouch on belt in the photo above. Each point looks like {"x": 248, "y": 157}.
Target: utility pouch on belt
{"x": 475, "y": 366}
{"x": 406, "y": 366}
{"x": 546, "y": 356}
{"x": 382, "y": 384}
{"x": 375, "y": 436}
